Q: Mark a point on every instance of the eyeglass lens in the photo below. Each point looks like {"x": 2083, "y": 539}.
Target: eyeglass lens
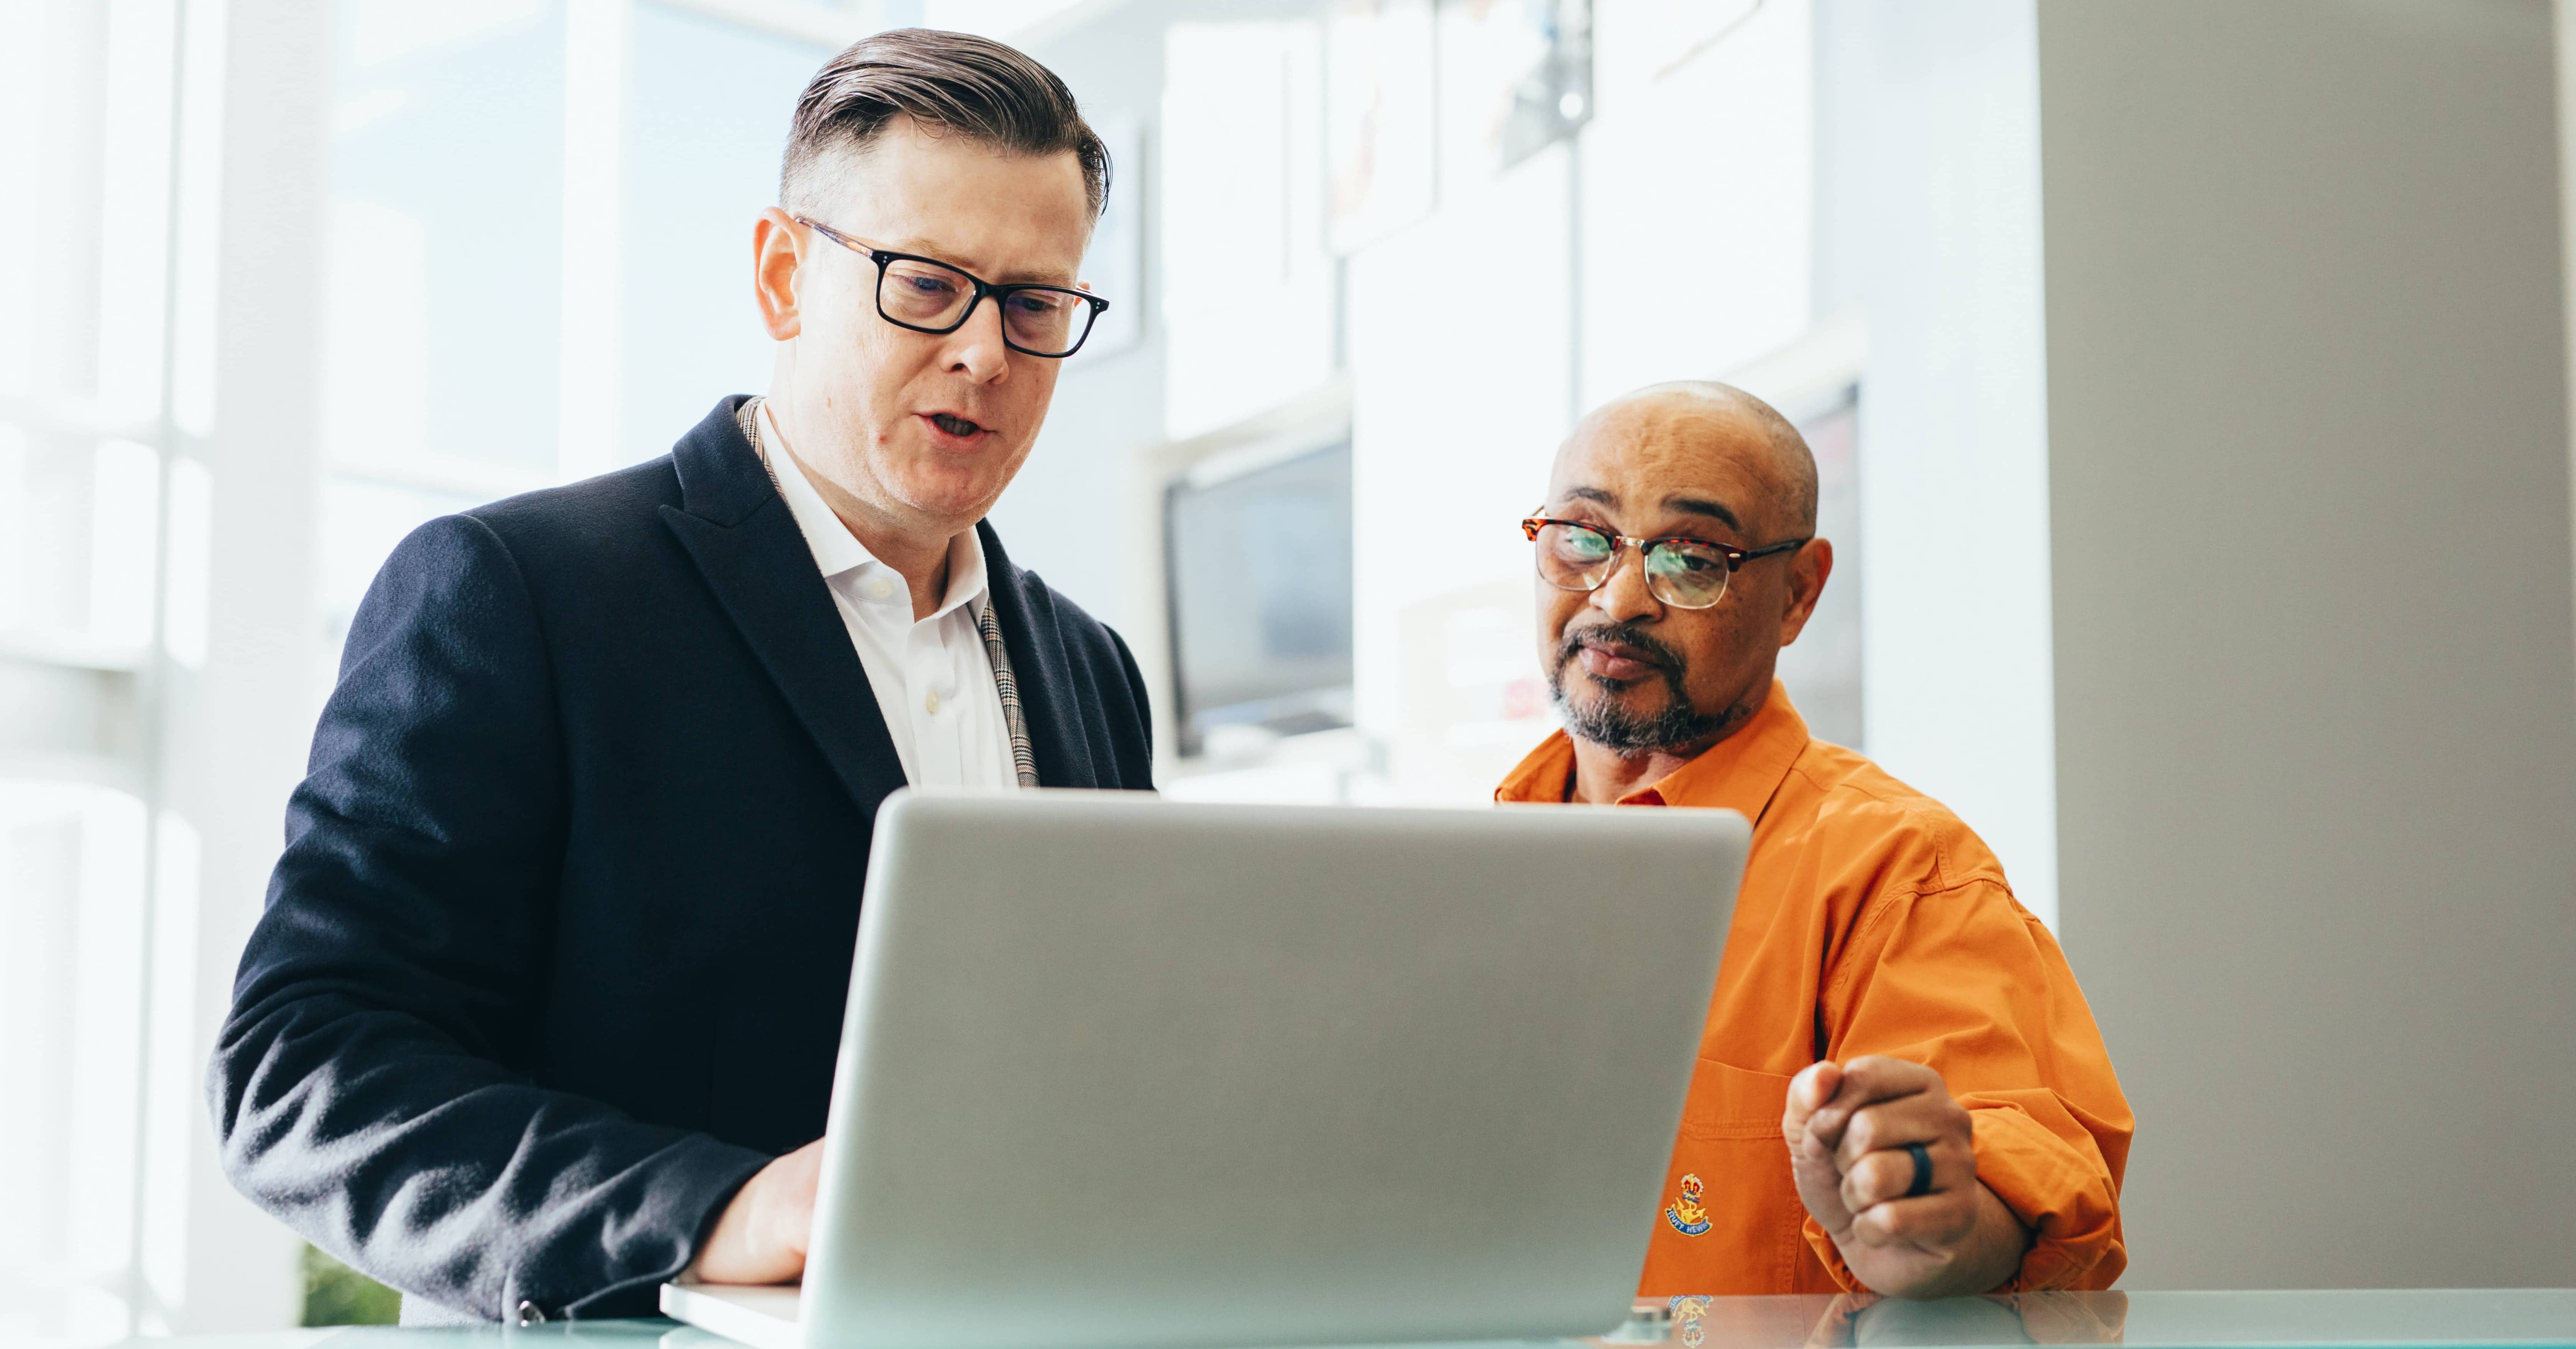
{"x": 1680, "y": 573}
{"x": 926, "y": 295}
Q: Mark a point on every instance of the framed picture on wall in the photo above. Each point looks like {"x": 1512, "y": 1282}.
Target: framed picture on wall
{"x": 1515, "y": 78}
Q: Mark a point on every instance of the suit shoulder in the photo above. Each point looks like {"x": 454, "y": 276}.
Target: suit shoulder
{"x": 1072, "y": 617}
{"x": 599, "y": 517}
{"x": 1073, "y": 623}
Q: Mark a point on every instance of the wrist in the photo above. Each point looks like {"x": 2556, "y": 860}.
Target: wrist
{"x": 762, "y": 1234}
{"x": 732, "y": 1251}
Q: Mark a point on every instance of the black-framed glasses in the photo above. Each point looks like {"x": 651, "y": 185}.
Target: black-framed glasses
{"x": 1683, "y": 572}
{"x": 930, "y": 296}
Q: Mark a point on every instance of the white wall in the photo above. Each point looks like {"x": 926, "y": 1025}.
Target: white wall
{"x": 1928, "y": 225}
{"x": 1079, "y": 509}
{"x": 2316, "y": 716}
{"x": 1065, "y": 515}
{"x": 1698, "y": 196}
{"x": 1458, "y": 398}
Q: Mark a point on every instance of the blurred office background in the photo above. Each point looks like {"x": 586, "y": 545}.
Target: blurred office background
{"x": 2190, "y": 382}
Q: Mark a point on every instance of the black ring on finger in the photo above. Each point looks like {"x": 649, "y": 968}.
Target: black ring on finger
{"x": 1922, "y": 1172}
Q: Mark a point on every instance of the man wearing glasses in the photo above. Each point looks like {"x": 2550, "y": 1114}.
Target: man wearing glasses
{"x": 543, "y": 1007}
{"x": 1886, "y": 1009}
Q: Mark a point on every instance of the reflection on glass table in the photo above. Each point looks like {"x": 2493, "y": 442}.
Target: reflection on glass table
{"x": 2173, "y": 1320}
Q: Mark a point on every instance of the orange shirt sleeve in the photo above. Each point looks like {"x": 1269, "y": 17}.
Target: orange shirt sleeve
{"x": 1967, "y": 982}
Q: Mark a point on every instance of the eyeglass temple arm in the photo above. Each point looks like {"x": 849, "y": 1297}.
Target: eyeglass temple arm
{"x": 1783, "y": 546}
{"x": 830, "y": 233}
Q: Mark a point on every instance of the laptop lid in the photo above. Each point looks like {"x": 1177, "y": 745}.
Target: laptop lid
{"x": 1119, "y": 1071}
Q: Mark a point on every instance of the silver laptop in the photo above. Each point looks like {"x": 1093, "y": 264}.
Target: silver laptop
{"x": 1120, "y": 1073}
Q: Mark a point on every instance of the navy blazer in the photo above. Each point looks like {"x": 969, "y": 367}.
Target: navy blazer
{"x": 556, "y": 955}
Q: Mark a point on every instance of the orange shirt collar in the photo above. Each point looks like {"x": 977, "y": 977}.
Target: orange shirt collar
{"x": 1738, "y": 773}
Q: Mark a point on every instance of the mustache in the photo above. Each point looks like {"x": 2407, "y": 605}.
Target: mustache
{"x": 1602, "y": 719}
{"x": 1624, "y": 633}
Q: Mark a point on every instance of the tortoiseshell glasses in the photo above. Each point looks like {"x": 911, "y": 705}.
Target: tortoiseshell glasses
{"x": 1683, "y": 572}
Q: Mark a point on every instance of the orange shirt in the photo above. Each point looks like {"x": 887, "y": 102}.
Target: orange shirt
{"x": 1870, "y": 921}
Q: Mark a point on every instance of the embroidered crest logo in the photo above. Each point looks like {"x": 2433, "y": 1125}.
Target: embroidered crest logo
{"x": 1685, "y": 1214}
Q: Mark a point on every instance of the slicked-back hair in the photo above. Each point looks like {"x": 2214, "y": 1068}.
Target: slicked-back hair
{"x": 950, "y": 82}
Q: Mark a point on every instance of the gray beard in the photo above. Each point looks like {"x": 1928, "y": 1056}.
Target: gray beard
{"x": 1625, "y": 733}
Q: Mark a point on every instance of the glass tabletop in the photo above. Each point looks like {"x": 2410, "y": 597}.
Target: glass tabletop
{"x": 2165, "y": 1320}
{"x": 2422, "y": 1319}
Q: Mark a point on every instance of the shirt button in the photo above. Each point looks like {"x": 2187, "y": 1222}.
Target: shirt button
{"x": 881, "y": 587}
{"x": 932, "y": 702}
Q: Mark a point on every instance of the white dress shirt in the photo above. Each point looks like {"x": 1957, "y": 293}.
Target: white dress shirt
{"x": 932, "y": 679}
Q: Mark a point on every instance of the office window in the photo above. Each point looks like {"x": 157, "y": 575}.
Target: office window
{"x": 442, "y": 293}
{"x": 541, "y": 240}
{"x": 456, "y": 246}
{"x": 93, "y": 324}
{"x": 705, "y": 129}
{"x": 446, "y": 199}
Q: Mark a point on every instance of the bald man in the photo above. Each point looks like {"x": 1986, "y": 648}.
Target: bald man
{"x": 1900, "y": 1088}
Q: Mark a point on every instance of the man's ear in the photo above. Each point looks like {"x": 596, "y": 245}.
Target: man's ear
{"x": 777, "y": 258}
{"x": 1808, "y": 569}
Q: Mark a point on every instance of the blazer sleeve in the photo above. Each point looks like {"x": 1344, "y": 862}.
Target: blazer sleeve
{"x": 368, "y": 1086}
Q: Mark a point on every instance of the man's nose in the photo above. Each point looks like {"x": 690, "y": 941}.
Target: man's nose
{"x": 976, "y": 350}
{"x": 1625, "y": 595}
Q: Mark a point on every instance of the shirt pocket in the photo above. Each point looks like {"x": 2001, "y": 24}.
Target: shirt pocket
{"x": 1728, "y": 1103}
{"x": 1731, "y": 1218}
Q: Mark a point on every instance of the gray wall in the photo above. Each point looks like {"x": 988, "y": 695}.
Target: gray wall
{"x": 2316, "y": 718}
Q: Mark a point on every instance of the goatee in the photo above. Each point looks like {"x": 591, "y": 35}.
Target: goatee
{"x": 1604, "y": 722}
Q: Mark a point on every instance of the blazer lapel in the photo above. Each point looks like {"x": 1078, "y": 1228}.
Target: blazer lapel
{"x": 1054, "y": 699}
{"x": 749, "y": 550}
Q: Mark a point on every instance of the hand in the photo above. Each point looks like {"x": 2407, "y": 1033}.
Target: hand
{"x": 1847, "y": 1127}
{"x": 763, "y": 1232}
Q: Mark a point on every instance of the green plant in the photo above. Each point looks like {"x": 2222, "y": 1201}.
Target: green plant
{"x": 336, "y": 1295}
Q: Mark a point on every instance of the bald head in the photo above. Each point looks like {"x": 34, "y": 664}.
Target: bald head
{"x": 1693, "y": 423}
{"x": 1641, "y": 673}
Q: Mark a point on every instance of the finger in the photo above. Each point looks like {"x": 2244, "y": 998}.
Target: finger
{"x": 1888, "y": 1176}
{"x": 1833, "y": 1113}
{"x": 1934, "y": 1222}
{"x": 1872, "y": 1078}
{"x": 1868, "y": 1080}
{"x": 1921, "y": 1118}
{"x": 1810, "y": 1089}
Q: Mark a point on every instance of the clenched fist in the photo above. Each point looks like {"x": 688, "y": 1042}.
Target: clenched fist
{"x": 1849, "y": 1127}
